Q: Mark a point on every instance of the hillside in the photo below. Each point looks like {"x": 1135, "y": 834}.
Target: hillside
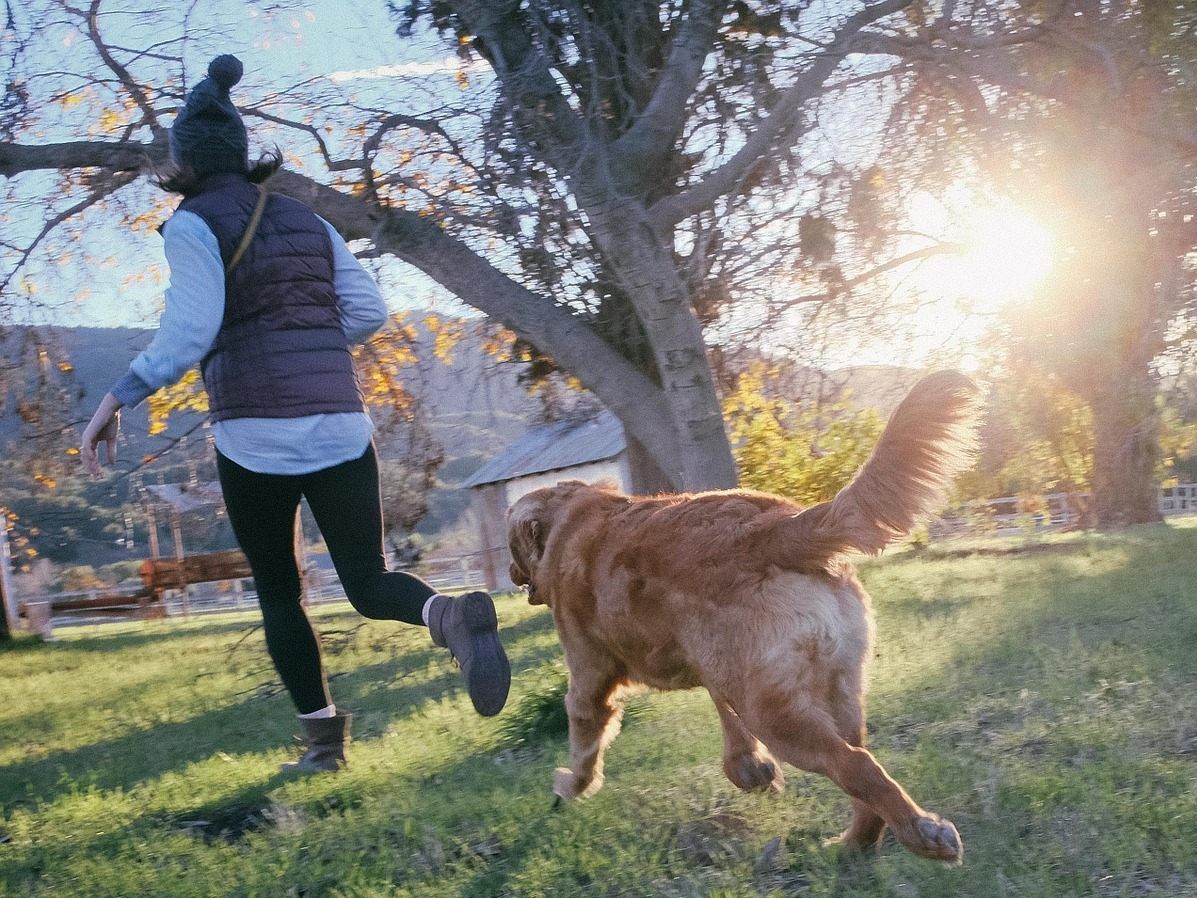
{"x": 471, "y": 404}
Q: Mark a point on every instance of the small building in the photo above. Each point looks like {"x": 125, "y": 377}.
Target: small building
{"x": 592, "y": 449}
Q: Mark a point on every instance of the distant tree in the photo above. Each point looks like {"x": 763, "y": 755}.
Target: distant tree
{"x": 807, "y": 452}
{"x": 80, "y": 578}
{"x": 1037, "y": 439}
{"x": 1178, "y": 446}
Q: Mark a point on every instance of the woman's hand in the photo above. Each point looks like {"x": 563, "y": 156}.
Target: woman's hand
{"x": 102, "y": 427}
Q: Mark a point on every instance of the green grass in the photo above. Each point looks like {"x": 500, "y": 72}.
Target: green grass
{"x": 1045, "y": 700}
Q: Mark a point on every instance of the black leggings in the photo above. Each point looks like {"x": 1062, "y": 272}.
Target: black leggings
{"x": 346, "y": 502}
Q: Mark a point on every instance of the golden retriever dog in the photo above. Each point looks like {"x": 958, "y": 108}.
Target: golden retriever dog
{"x": 751, "y": 597}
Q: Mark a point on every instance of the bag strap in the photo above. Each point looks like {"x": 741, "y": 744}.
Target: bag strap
{"x": 250, "y": 230}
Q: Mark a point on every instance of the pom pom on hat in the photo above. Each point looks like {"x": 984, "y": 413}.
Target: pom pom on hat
{"x": 226, "y": 71}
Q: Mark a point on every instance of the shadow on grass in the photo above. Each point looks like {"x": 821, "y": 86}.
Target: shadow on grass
{"x": 251, "y": 725}
{"x": 22, "y": 644}
{"x": 152, "y": 634}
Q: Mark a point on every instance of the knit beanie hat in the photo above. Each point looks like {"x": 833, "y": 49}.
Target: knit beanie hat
{"x": 208, "y": 135}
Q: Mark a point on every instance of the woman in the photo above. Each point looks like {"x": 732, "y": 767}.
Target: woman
{"x": 268, "y": 298}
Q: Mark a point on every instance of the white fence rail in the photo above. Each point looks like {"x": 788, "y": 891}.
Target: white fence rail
{"x": 1180, "y": 499}
{"x": 447, "y": 574}
{"x": 1009, "y": 514}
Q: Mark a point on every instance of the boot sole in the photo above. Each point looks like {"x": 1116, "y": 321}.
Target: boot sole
{"x": 489, "y": 678}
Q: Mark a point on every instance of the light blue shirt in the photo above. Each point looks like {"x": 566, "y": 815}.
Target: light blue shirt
{"x": 189, "y": 325}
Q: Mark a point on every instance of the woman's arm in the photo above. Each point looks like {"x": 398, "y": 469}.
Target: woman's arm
{"x": 103, "y": 427}
{"x": 362, "y": 310}
{"x": 193, "y": 313}
{"x": 189, "y": 324}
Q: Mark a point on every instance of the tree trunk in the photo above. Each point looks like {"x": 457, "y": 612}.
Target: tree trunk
{"x": 8, "y": 601}
{"x": 648, "y": 277}
{"x": 1123, "y": 341}
{"x": 680, "y": 424}
{"x": 647, "y": 477}
{"x": 1125, "y": 451}
{"x": 1119, "y": 315}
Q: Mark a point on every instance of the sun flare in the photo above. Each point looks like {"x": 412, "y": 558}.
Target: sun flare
{"x": 1008, "y": 255}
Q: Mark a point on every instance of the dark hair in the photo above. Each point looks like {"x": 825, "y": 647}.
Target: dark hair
{"x": 175, "y": 178}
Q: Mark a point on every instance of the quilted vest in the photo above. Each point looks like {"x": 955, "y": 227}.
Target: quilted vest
{"x": 280, "y": 351}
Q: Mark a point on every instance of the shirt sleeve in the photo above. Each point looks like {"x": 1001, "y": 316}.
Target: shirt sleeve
{"x": 363, "y": 311}
{"x": 193, "y": 314}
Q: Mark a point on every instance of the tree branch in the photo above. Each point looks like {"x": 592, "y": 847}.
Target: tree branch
{"x": 119, "y": 180}
{"x": 16, "y": 158}
{"x": 669, "y": 211}
{"x": 990, "y": 69}
{"x": 918, "y": 255}
{"x": 639, "y": 151}
{"x": 333, "y": 164}
{"x": 127, "y": 81}
{"x": 554, "y": 131}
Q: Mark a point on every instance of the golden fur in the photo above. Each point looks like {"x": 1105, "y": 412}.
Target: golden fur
{"x": 749, "y": 596}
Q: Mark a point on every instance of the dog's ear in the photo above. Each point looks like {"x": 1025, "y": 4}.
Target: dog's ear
{"x": 526, "y": 535}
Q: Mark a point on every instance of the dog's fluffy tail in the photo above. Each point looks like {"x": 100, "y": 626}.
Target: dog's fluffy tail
{"x": 929, "y": 439}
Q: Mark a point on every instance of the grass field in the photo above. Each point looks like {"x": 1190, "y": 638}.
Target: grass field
{"x": 1045, "y": 699}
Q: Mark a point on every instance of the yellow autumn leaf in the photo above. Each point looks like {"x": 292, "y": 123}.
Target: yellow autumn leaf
{"x": 185, "y": 396}
{"x": 110, "y": 120}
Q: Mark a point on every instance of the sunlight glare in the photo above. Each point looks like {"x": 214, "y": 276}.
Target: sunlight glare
{"x": 1008, "y": 255}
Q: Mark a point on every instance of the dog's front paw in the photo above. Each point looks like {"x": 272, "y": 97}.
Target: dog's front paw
{"x": 754, "y": 772}
{"x": 568, "y": 786}
{"x": 932, "y": 837}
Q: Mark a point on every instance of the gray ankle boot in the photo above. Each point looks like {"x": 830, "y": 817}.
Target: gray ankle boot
{"x": 467, "y": 626}
{"x": 326, "y": 737}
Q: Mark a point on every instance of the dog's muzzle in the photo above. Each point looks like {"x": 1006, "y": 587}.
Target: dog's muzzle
{"x": 533, "y": 599}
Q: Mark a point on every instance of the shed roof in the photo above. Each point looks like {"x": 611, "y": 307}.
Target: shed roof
{"x": 551, "y": 447}
{"x": 187, "y": 496}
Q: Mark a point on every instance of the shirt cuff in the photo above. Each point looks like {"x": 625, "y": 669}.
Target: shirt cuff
{"x": 131, "y": 390}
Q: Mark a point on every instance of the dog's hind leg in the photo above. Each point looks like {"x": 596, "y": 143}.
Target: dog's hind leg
{"x": 847, "y": 710}
{"x": 746, "y": 761}
{"x": 594, "y": 717}
{"x": 806, "y": 736}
